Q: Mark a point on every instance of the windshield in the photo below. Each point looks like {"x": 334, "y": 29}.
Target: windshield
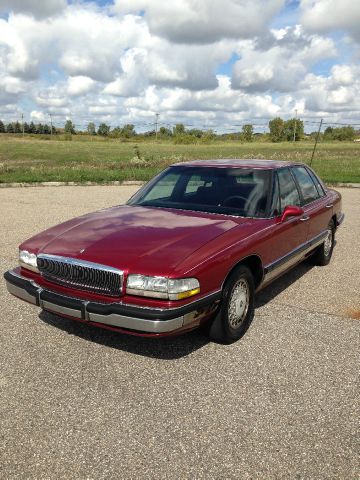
{"x": 231, "y": 191}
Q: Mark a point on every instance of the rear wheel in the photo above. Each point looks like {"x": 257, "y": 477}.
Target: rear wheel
{"x": 322, "y": 255}
{"x": 236, "y": 309}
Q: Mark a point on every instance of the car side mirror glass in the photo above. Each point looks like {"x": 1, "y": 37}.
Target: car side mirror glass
{"x": 291, "y": 211}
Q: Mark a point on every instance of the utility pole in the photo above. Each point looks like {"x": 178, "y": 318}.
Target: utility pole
{"x": 22, "y": 124}
{"x": 295, "y": 125}
{"x": 316, "y": 141}
{"x": 156, "y": 124}
{"x": 51, "y": 125}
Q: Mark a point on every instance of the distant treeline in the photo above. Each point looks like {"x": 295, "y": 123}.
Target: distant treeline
{"x": 279, "y": 131}
{"x": 34, "y": 128}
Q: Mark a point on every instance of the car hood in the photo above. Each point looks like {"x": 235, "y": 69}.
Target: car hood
{"x": 137, "y": 239}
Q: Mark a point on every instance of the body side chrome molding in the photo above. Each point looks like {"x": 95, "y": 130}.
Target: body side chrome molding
{"x": 282, "y": 263}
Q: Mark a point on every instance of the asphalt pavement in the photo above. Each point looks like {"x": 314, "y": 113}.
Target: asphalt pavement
{"x": 77, "y": 402}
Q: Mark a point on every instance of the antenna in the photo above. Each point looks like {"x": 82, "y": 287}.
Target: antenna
{"x": 295, "y": 125}
{"x": 316, "y": 141}
{"x": 51, "y": 124}
{"x": 156, "y": 124}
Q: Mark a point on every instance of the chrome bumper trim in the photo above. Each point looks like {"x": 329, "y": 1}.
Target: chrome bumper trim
{"x": 112, "y": 319}
{"x": 21, "y": 293}
{"x": 60, "y": 309}
{"x": 130, "y": 323}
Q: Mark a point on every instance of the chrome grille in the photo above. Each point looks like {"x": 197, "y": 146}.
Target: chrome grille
{"x": 80, "y": 274}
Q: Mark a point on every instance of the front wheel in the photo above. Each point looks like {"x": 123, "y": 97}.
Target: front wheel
{"x": 322, "y": 255}
{"x": 236, "y": 309}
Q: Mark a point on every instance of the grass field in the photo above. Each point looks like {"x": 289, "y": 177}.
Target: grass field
{"x": 36, "y": 160}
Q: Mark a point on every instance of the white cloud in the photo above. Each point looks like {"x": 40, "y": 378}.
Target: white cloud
{"x": 326, "y": 95}
{"x": 327, "y": 15}
{"x": 87, "y": 63}
{"x": 203, "y": 21}
{"x": 223, "y": 100}
{"x": 40, "y": 9}
{"x": 282, "y": 65}
{"x": 343, "y": 74}
{"x": 12, "y": 85}
{"x": 79, "y": 85}
{"x": 37, "y": 116}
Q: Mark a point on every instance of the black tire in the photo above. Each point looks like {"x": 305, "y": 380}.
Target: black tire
{"x": 323, "y": 254}
{"x": 236, "y": 309}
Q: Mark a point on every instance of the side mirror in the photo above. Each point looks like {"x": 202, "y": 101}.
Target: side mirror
{"x": 291, "y": 211}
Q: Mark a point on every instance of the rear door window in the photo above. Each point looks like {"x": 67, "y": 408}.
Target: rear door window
{"x": 317, "y": 182}
{"x": 307, "y": 186}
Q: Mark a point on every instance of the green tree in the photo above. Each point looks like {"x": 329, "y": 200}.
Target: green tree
{"x": 26, "y": 127}
{"x": 328, "y": 133}
{"x": 179, "y": 129}
{"x": 277, "y": 129}
{"x": 344, "y": 133}
{"x": 247, "y": 133}
{"x": 10, "y": 128}
{"x": 195, "y": 132}
{"x": 91, "y": 130}
{"x": 128, "y": 131}
{"x": 291, "y": 126}
{"x": 39, "y": 129}
{"x": 32, "y": 127}
{"x": 46, "y": 129}
{"x": 17, "y": 127}
{"x": 103, "y": 130}
{"x": 116, "y": 132}
{"x": 165, "y": 132}
{"x": 2, "y": 127}
{"x": 69, "y": 127}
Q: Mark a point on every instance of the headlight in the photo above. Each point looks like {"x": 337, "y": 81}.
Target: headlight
{"x": 28, "y": 260}
{"x": 162, "y": 287}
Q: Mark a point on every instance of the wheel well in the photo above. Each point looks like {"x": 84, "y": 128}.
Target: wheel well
{"x": 253, "y": 262}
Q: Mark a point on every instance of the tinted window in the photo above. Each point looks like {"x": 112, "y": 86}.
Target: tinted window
{"x": 275, "y": 201}
{"x": 289, "y": 194}
{"x": 306, "y": 184}
{"x": 196, "y": 181}
{"x": 164, "y": 187}
{"x": 232, "y": 191}
{"x": 317, "y": 182}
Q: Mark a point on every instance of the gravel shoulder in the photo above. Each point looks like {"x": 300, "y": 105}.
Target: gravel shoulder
{"x": 80, "y": 402}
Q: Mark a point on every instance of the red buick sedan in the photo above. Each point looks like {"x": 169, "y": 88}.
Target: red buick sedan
{"x": 190, "y": 248}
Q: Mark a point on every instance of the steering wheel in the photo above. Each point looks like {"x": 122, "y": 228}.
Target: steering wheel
{"x": 233, "y": 197}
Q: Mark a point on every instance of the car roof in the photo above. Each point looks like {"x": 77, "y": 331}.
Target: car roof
{"x": 240, "y": 163}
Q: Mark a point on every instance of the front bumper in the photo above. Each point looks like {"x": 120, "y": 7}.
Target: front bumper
{"x": 117, "y": 315}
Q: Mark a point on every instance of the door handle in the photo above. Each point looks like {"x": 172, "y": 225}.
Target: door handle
{"x": 329, "y": 206}
{"x": 304, "y": 219}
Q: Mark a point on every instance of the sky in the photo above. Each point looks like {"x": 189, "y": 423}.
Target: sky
{"x": 205, "y": 63}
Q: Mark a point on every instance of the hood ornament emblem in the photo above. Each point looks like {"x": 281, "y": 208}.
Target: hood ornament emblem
{"x": 82, "y": 250}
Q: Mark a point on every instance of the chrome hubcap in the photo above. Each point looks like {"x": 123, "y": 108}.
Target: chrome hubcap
{"x": 328, "y": 242}
{"x": 238, "y": 303}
